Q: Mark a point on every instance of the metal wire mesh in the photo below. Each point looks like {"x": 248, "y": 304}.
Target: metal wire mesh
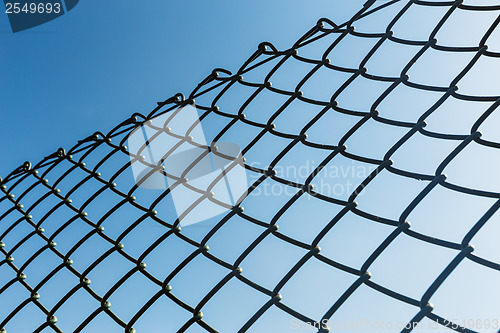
{"x": 75, "y": 166}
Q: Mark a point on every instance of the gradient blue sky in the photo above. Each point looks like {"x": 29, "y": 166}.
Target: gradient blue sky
{"x": 105, "y": 60}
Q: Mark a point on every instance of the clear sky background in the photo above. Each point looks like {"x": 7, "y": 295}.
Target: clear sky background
{"x": 105, "y": 60}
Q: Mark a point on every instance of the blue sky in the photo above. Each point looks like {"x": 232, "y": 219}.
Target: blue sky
{"x": 105, "y": 60}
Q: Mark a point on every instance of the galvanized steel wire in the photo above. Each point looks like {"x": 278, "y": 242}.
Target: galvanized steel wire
{"x": 115, "y": 141}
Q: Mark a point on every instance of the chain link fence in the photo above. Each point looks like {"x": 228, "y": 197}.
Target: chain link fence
{"x": 91, "y": 183}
